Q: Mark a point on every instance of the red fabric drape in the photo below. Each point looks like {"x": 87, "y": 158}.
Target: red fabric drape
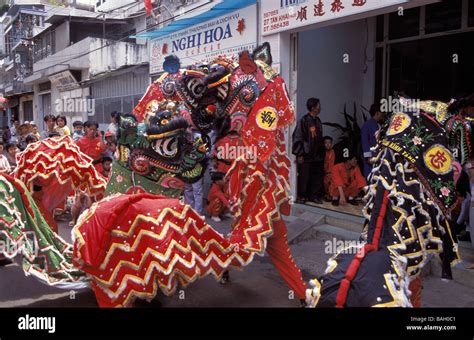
{"x": 148, "y": 7}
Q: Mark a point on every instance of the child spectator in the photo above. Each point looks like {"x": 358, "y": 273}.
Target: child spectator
{"x": 4, "y": 164}
{"x": 111, "y": 149}
{"x": 6, "y": 135}
{"x": 12, "y": 150}
{"x": 22, "y": 132}
{"x": 347, "y": 182}
{"x": 34, "y": 130}
{"x": 78, "y": 131}
{"x": 329, "y": 161}
{"x": 30, "y": 139}
{"x": 106, "y": 166}
{"x": 218, "y": 203}
{"x": 114, "y": 123}
{"x": 62, "y": 127}
{"x": 50, "y": 121}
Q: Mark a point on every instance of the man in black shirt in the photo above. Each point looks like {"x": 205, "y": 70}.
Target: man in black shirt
{"x": 308, "y": 147}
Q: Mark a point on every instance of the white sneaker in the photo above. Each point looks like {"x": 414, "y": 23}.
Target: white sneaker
{"x": 228, "y": 215}
{"x": 216, "y": 218}
{"x": 203, "y": 217}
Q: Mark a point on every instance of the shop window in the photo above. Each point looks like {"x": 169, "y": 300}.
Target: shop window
{"x": 136, "y": 100}
{"x": 414, "y": 67}
{"x": 111, "y": 105}
{"x": 443, "y": 16}
{"x": 98, "y": 111}
{"x": 378, "y": 74}
{"x": 404, "y": 24}
{"x": 380, "y": 29}
{"x": 127, "y": 105}
{"x": 471, "y": 13}
{"x": 28, "y": 111}
{"x": 45, "y": 86}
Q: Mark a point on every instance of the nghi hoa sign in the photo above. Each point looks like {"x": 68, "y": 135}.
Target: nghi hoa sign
{"x": 226, "y": 35}
{"x": 210, "y": 36}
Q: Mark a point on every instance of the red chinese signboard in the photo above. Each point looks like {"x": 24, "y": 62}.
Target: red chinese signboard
{"x": 283, "y": 15}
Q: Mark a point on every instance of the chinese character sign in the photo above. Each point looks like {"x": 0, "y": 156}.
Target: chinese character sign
{"x": 226, "y": 35}
{"x": 282, "y": 15}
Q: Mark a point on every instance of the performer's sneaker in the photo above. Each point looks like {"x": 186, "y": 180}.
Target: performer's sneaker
{"x": 353, "y": 202}
{"x": 225, "y": 279}
{"x": 300, "y": 200}
{"x": 303, "y": 303}
{"x": 335, "y": 203}
{"x": 228, "y": 215}
{"x": 216, "y": 218}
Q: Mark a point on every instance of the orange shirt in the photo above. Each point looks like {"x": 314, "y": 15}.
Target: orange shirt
{"x": 341, "y": 178}
{"x": 329, "y": 161}
{"x": 91, "y": 147}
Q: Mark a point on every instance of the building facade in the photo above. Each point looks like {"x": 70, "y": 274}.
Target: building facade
{"x": 23, "y": 20}
{"x": 81, "y": 48}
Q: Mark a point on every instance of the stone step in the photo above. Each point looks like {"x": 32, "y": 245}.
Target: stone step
{"x": 335, "y": 218}
{"x": 341, "y": 231}
{"x": 302, "y": 226}
{"x": 460, "y": 273}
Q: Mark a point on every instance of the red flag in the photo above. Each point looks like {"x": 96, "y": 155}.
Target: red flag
{"x": 148, "y": 7}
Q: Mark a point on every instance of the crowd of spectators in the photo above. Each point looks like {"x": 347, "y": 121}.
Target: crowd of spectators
{"x": 101, "y": 146}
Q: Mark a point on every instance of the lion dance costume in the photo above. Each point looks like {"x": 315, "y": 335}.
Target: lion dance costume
{"x": 139, "y": 237}
{"x": 410, "y": 195}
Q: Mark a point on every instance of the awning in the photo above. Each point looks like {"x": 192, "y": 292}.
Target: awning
{"x": 222, "y": 8}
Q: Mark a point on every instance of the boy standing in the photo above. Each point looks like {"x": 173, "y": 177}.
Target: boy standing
{"x": 78, "y": 132}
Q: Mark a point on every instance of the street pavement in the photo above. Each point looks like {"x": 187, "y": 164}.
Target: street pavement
{"x": 258, "y": 285}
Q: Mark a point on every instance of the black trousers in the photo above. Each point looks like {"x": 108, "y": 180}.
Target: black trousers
{"x": 310, "y": 180}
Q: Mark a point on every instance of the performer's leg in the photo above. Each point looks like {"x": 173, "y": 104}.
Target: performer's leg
{"x": 189, "y": 195}
{"x": 415, "y": 287}
{"x": 198, "y": 196}
{"x": 280, "y": 254}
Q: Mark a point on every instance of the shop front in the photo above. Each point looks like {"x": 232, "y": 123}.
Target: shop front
{"x": 351, "y": 54}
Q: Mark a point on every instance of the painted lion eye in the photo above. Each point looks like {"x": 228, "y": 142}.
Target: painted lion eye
{"x": 164, "y": 121}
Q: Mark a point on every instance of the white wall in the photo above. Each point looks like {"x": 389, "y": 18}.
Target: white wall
{"x": 323, "y": 74}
